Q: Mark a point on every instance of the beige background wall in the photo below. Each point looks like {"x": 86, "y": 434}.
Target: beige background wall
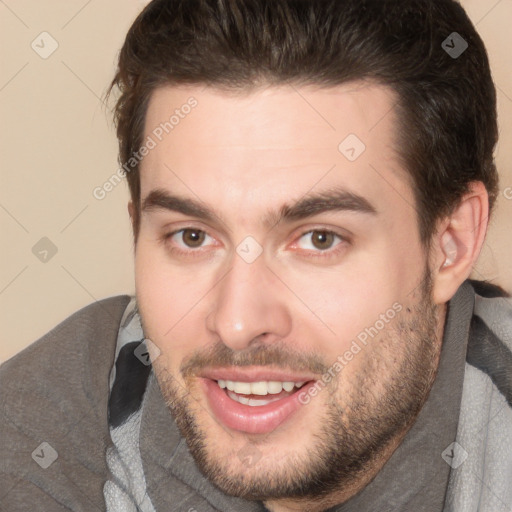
{"x": 57, "y": 144}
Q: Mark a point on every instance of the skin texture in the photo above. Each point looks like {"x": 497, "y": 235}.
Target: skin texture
{"x": 300, "y": 304}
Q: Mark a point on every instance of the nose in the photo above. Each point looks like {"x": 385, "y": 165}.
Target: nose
{"x": 249, "y": 304}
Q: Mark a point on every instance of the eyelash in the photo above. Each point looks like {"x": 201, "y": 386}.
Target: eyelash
{"x": 328, "y": 253}
{"x": 165, "y": 239}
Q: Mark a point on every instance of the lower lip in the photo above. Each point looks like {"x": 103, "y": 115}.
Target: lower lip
{"x": 260, "y": 419}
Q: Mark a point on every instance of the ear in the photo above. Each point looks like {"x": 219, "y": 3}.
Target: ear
{"x": 457, "y": 243}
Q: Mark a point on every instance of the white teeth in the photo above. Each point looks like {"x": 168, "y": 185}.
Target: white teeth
{"x": 242, "y": 388}
{"x": 260, "y": 388}
{"x": 274, "y": 387}
{"x": 242, "y": 399}
{"x": 249, "y": 401}
{"x": 288, "y": 386}
{"x": 257, "y": 403}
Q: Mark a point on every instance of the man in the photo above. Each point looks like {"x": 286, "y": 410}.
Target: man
{"x": 311, "y": 183}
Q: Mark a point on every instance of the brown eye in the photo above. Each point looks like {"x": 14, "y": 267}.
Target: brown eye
{"x": 193, "y": 237}
{"x": 322, "y": 240}
{"x": 319, "y": 240}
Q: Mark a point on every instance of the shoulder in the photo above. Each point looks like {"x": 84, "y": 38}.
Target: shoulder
{"x": 490, "y": 341}
{"x": 53, "y": 399}
{"x": 87, "y": 335}
{"x": 484, "y": 434}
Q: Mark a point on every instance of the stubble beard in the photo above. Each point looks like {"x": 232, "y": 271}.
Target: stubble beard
{"x": 354, "y": 429}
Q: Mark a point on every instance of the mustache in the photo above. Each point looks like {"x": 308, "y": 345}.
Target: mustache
{"x": 220, "y": 355}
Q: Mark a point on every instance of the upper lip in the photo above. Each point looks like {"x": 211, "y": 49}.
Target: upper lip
{"x": 254, "y": 374}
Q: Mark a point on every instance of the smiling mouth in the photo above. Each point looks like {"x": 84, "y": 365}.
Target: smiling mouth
{"x": 258, "y": 394}
{"x": 255, "y": 407}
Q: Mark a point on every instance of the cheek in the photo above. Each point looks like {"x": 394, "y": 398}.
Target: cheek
{"x": 153, "y": 293}
{"x": 169, "y": 300}
{"x": 367, "y": 292}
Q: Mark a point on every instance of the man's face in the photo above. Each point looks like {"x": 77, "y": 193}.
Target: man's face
{"x": 284, "y": 283}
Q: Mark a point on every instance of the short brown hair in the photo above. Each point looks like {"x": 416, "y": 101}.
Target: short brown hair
{"x": 447, "y": 105}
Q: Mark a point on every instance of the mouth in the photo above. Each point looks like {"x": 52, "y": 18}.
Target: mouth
{"x": 254, "y": 404}
{"x": 258, "y": 394}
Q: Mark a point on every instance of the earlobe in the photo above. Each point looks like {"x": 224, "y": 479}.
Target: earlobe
{"x": 457, "y": 243}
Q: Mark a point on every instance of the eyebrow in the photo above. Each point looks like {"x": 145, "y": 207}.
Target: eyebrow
{"x": 159, "y": 199}
{"x": 334, "y": 199}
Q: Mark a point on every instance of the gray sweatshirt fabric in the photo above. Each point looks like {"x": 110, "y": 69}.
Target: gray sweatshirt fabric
{"x": 58, "y": 451}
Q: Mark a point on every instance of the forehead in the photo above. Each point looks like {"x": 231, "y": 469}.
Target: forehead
{"x": 274, "y": 143}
